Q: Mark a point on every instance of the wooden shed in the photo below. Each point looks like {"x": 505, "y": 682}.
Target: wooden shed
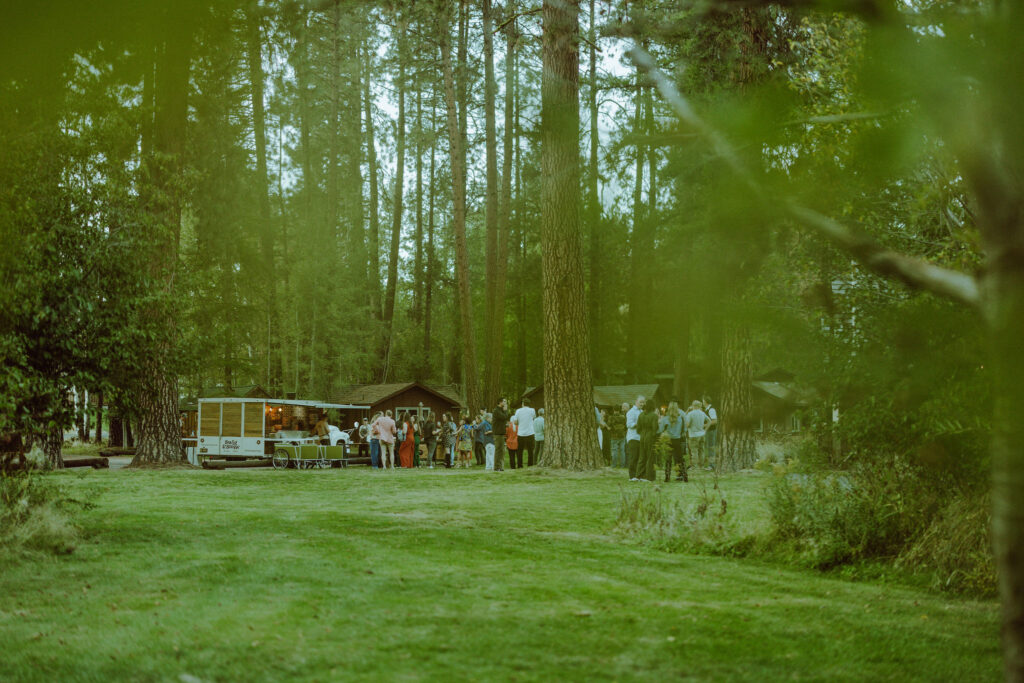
{"x": 412, "y": 397}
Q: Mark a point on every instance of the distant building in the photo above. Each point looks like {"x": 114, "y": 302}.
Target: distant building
{"x": 778, "y": 402}
{"x": 412, "y": 397}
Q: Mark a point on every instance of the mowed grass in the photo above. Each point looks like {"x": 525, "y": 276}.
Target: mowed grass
{"x": 264, "y": 575}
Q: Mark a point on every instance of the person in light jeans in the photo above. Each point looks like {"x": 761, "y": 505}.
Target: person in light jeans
{"x": 538, "y": 433}
{"x": 696, "y": 425}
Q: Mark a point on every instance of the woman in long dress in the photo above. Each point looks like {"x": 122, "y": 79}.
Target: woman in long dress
{"x": 405, "y": 450}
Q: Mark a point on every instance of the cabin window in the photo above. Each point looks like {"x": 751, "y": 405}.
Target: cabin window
{"x": 253, "y": 419}
{"x": 414, "y": 410}
{"x": 209, "y": 419}
{"x": 231, "y": 424}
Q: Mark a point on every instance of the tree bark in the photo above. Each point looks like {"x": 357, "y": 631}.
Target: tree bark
{"x": 493, "y": 337}
{"x": 736, "y": 417}
{"x": 99, "y": 417}
{"x": 157, "y": 392}
{"x": 417, "y": 280}
{"x": 396, "y": 211}
{"x": 51, "y": 443}
{"x": 428, "y": 294}
{"x": 571, "y": 439}
{"x": 455, "y": 141}
{"x": 594, "y": 204}
{"x": 638, "y": 292}
{"x": 373, "y": 238}
{"x": 266, "y": 232}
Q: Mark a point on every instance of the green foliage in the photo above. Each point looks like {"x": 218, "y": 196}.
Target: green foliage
{"x": 661, "y": 517}
{"x": 35, "y": 516}
{"x": 889, "y": 511}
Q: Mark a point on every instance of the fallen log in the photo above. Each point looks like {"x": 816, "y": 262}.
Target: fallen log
{"x": 93, "y": 462}
{"x": 235, "y": 464}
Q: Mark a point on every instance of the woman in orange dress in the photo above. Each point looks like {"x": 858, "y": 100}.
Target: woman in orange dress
{"x": 405, "y": 451}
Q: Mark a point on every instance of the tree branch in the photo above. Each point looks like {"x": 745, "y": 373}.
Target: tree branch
{"x": 912, "y": 271}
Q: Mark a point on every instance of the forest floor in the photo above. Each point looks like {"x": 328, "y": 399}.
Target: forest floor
{"x": 264, "y": 575}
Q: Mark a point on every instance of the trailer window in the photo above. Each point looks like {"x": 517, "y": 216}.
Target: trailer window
{"x": 210, "y": 419}
{"x": 231, "y": 425}
{"x": 253, "y": 419}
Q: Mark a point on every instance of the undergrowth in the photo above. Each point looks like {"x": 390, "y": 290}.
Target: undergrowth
{"x": 661, "y": 517}
{"x": 35, "y": 516}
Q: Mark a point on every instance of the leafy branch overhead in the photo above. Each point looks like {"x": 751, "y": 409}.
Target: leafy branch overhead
{"x": 914, "y": 272}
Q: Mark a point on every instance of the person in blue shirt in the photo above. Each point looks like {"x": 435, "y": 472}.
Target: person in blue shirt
{"x": 488, "y": 433}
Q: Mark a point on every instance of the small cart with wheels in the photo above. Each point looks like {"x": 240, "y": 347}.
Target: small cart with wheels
{"x": 275, "y": 429}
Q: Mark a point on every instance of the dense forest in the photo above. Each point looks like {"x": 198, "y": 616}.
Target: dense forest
{"x": 312, "y": 194}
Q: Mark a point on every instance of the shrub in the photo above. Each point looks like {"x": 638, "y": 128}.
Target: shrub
{"x": 956, "y": 549}
{"x": 661, "y": 518}
{"x": 34, "y": 515}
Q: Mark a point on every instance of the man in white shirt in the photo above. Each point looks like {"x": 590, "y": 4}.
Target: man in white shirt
{"x": 696, "y": 423}
{"x": 523, "y": 420}
{"x": 633, "y": 436}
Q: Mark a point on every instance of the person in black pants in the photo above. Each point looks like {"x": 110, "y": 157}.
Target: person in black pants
{"x": 499, "y": 422}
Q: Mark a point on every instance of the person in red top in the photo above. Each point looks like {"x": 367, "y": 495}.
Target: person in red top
{"x": 409, "y": 441}
{"x": 512, "y": 442}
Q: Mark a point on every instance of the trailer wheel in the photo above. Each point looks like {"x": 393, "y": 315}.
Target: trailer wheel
{"x": 281, "y": 459}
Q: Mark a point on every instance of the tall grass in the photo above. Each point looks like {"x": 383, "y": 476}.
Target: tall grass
{"x": 34, "y": 516}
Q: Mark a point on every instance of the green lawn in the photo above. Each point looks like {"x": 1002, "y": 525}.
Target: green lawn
{"x": 447, "y": 575}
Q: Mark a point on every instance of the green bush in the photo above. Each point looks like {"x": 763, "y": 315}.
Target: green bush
{"x": 34, "y": 515}
{"x": 897, "y": 512}
{"x": 661, "y": 518}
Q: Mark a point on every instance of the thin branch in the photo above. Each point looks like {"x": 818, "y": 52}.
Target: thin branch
{"x": 911, "y": 271}
{"x": 524, "y": 13}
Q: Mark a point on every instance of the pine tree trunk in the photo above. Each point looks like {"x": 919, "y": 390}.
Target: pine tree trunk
{"x": 493, "y": 337}
{"x": 428, "y": 294}
{"x": 83, "y": 420}
{"x": 417, "y": 280}
{"x": 457, "y": 153}
{"x": 256, "y": 77}
{"x": 571, "y": 439}
{"x": 638, "y": 293}
{"x": 51, "y": 443}
{"x": 396, "y": 211}
{"x": 116, "y": 439}
{"x": 1006, "y": 320}
{"x": 99, "y": 417}
{"x": 735, "y": 448}
{"x": 157, "y": 393}
{"x": 373, "y": 238}
{"x": 594, "y": 205}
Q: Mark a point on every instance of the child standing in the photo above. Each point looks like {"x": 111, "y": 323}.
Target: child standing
{"x": 465, "y": 442}
{"x": 512, "y": 444}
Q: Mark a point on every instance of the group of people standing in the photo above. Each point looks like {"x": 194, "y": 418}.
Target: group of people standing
{"x": 483, "y": 438}
{"x": 634, "y": 430}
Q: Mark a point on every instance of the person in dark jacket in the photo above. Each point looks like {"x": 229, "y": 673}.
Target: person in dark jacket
{"x": 498, "y": 425}
{"x": 647, "y": 425}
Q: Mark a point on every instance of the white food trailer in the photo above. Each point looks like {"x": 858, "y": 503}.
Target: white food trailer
{"x": 253, "y": 427}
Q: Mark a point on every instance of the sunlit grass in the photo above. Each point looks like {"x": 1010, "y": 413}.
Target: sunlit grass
{"x": 435, "y": 574}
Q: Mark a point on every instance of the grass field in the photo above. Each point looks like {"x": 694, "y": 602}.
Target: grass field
{"x": 267, "y": 575}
